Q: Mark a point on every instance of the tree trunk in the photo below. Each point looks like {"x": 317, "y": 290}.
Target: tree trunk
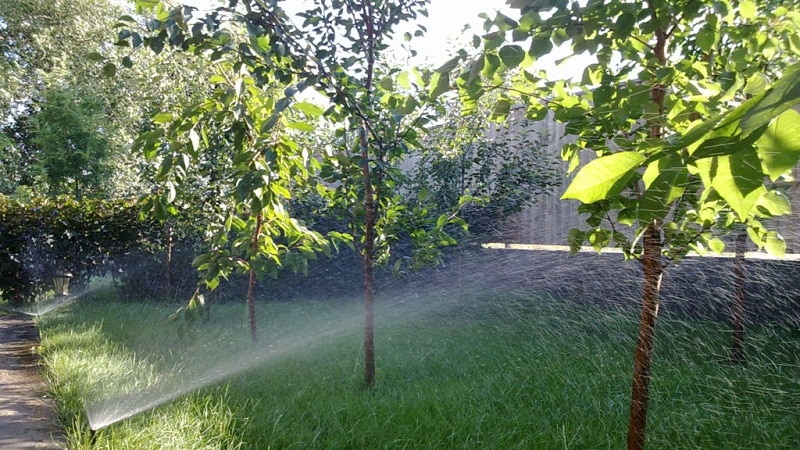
{"x": 651, "y": 262}
{"x": 739, "y": 280}
{"x": 368, "y": 256}
{"x": 652, "y": 271}
{"x": 251, "y": 285}
{"x": 370, "y": 205}
{"x": 168, "y": 264}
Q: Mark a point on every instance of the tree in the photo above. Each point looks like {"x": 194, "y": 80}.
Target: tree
{"x": 503, "y": 166}
{"x": 66, "y": 47}
{"x": 684, "y": 113}
{"x": 70, "y": 139}
{"x": 336, "y": 51}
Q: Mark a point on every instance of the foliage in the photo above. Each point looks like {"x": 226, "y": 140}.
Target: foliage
{"x": 682, "y": 67}
{"x": 263, "y": 62}
{"x": 70, "y": 139}
{"x": 54, "y": 235}
{"x": 503, "y": 166}
{"x": 55, "y": 49}
{"x": 688, "y": 111}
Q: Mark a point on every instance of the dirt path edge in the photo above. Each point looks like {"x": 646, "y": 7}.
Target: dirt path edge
{"x": 27, "y": 415}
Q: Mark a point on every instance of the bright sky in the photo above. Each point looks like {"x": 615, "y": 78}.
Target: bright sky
{"x": 446, "y": 34}
{"x": 445, "y": 24}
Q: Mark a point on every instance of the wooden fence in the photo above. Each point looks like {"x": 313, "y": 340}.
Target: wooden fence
{"x": 548, "y": 220}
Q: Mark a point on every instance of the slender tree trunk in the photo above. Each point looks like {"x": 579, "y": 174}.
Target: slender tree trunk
{"x": 652, "y": 271}
{"x": 168, "y": 264}
{"x": 369, "y": 265}
{"x": 370, "y": 205}
{"x": 739, "y": 280}
{"x": 251, "y": 286}
{"x": 651, "y": 263}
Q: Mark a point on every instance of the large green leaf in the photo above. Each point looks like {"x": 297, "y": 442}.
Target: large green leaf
{"x": 783, "y": 95}
{"x": 604, "y": 177}
{"x": 511, "y": 55}
{"x": 440, "y": 83}
{"x": 738, "y": 180}
{"x": 773, "y": 203}
{"x": 779, "y": 146}
{"x": 665, "y": 180}
{"x": 747, "y": 117}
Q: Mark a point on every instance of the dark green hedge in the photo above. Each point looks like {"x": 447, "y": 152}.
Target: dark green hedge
{"x": 45, "y": 236}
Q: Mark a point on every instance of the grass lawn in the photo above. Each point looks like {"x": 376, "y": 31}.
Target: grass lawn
{"x": 485, "y": 371}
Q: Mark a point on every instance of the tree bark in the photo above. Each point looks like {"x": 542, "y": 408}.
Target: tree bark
{"x": 738, "y": 310}
{"x": 651, "y": 262}
{"x": 251, "y": 285}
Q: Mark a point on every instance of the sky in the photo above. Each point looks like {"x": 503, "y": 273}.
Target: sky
{"x": 445, "y": 33}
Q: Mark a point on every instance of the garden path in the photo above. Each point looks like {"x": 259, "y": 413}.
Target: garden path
{"x": 27, "y": 415}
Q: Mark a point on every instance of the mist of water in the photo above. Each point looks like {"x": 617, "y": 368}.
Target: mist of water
{"x": 223, "y": 357}
{"x": 697, "y": 289}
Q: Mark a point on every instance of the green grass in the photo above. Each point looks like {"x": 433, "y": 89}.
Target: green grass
{"x": 488, "y": 371}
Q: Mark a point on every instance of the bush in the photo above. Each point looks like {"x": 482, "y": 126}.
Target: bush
{"x": 47, "y": 236}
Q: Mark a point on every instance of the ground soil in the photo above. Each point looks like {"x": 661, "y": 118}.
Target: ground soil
{"x": 27, "y": 414}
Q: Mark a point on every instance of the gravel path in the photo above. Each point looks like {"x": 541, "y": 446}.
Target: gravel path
{"x": 27, "y": 416}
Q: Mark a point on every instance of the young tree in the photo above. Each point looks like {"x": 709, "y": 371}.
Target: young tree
{"x": 684, "y": 114}
{"x": 337, "y": 52}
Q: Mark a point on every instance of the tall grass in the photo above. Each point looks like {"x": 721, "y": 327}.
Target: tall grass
{"x": 484, "y": 371}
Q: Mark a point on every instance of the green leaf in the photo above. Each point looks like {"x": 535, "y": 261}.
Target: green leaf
{"x": 309, "y": 108}
{"x": 624, "y": 26}
{"x": 773, "y": 203}
{"x": 109, "y": 70}
{"x": 779, "y": 146}
{"x": 747, "y": 9}
{"x": 747, "y": 117}
{"x": 738, "y": 180}
{"x": 511, "y": 55}
{"x": 94, "y": 56}
{"x": 756, "y": 84}
{"x": 162, "y": 118}
{"x": 716, "y": 245}
{"x": 194, "y": 138}
{"x": 707, "y": 38}
{"x": 575, "y": 239}
{"x": 501, "y": 110}
{"x": 604, "y": 177}
{"x": 386, "y": 83}
{"x": 665, "y": 180}
{"x": 783, "y": 95}
{"x": 774, "y": 244}
{"x": 440, "y": 83}
{"x": 302, "y": 126}
{"x": 540, "y": 45}
{"x": 451, "y": 64}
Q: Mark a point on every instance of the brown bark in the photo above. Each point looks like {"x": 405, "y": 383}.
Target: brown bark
{"x": 251, "y": 285}
{"x": 651, "y": 263}
{"x": 739, "y": 280}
